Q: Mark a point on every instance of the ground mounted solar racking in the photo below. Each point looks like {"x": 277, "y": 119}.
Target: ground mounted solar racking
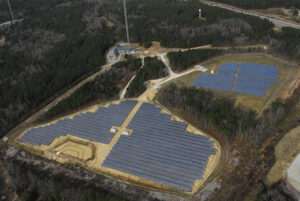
{"x": 93, "y": 126}
{"x": 158, "y": 149}
{"x": 252, "y": 79}
{"x": 161, "y": 150}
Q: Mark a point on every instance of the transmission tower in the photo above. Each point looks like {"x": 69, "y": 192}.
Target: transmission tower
{"x": 12, "y": 15}
{"x": 126, "y": 24}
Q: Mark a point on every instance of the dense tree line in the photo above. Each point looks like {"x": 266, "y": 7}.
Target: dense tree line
{"x": 181, "y": 60}
{"x": 287, "y": 42}
{"x": 57, "y": 195}
{"x": 23, "y": 8}
{"x": 253, "y": 4}
{"x": 153, "y": 69}
{"x": 68, "y": 62}
{"x": 103, "y": 88}
{"x": 176, "y": 23}
{"x": 64, "y": 19}
{"x": 221, "y": 114}
{"x": 218, "y": 112}
{"x": 278, "y": 191}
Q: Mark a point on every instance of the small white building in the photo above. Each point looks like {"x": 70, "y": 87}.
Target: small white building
{"x": 121, "y": 50}
{"x": 125, "y": 132}
{"x": 113, "y": 130}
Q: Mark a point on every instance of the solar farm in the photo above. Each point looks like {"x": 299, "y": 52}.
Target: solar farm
{"x": 253, "y": 79}
{"x": 135, "y": 140}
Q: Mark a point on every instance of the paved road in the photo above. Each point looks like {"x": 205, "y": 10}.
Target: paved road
{"x": 277, "y": 22}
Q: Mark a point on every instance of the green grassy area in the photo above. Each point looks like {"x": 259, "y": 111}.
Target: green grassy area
{"x": 255, "y": 103}
{"x": 188, "y": 79}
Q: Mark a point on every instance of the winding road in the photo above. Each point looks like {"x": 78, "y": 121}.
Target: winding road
{"x": 280, "y": 23}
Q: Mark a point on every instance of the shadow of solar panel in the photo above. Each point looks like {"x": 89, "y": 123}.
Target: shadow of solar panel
{"x": 161, "y": 150}
{"x": 90, "y": 126}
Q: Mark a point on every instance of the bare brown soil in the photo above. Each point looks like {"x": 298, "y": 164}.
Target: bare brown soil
{"x": 292, "y": 84}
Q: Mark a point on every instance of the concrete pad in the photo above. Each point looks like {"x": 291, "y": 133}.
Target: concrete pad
{"x": 293, "y": 174}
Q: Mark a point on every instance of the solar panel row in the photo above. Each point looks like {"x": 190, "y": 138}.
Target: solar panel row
{"x": 257, "y": 71}
{"x": 90, "y": 126}
{"x": 255, "y": 79}
{"x": 252, "y": 79}
{"x": 228, "y": 68}
{"x": 218, "y": 81}
{"x": 161, "y": 150}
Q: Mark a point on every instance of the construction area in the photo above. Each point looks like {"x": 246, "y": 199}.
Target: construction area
{"x": 135, "y": 141}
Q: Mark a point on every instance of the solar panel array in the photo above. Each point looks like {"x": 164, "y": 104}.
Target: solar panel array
{"x": 222, "y": 80}
{"x": 218, "y": 81}
{"x": 255, "y": 79}
{"x": 252, "y": 79}
{"x": 259, "y": 72}
{"x": 161, "y": 150}
{"x": 229, "y": 68}
{"x": 91, "y": 126}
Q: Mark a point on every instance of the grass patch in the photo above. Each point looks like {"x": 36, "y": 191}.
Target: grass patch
{"x": 285, "y": 151}
{"x": 188, "y": 79}
{"x": 255, "y": 103}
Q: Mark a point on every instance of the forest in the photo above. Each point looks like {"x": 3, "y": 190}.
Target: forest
{"x": 176, "y": 23}
{"x": 262, "y": 4}
{"x": 44, "y": 56}
{"x": 88, "y": 195}
{"x": 218, "y": 112}
{"x": 153, "y": 69}
{"x": 222, "y": 115}
{"x": 28, "y": 84}
{"x": 287, "y": 43}
{"x": 104, "y": 87}
{"x": 181, "y": 60}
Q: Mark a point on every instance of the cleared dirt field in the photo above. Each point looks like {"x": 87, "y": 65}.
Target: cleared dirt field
{"x": 256, "y": 103}
{"x": 285, "y": 151}
{"x": 76, "y": 150}
{"x": 293, "y": 83}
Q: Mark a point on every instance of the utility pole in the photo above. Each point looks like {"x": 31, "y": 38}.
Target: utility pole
{"x": 12, "y": 15}
{"x": 126, "y": 24}
{"x": 200, "y": 14}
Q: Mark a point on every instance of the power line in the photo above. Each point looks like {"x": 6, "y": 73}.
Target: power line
{"x": 12, "y": 15}
{"x": 126, "y": 24}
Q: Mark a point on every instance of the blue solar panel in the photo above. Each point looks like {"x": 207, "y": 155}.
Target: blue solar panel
{"x": 161, "y": 148}
{"x": 158, "y": 148}
{"x": 258, "y": 71}
{"x": 255, "y": 79}
{"x": 252, "y": 79}
{"x": 229, "y": 68}
{"x": 90, "y": 126}
{"x": 218, "y": 81}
